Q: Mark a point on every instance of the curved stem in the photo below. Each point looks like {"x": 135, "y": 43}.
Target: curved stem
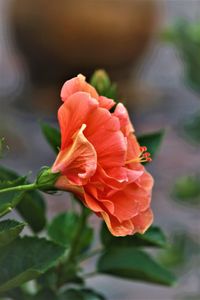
{"x": 26, "y": 187}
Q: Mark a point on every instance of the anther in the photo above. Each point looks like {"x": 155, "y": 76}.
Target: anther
{"x": 143, "y": 157}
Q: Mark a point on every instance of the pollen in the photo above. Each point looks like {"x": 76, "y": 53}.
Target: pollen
{"x": 143, "y": 157}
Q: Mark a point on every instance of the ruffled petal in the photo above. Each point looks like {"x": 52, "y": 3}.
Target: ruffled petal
{"x": 106, "y": 102}
{"x": 73, "y": 113}
{"x": 133, "y": 199}
{"x": 138, "y": 224}
{"x": 116, "y": 178}
{"x": 77, "y": 84}
{"x": 104, "y": 133}
{"x": 142, "y": 221}
{"x": 118, "y": 228}
{"x": 125, "y": 123}
{"x": 79, "y": 161}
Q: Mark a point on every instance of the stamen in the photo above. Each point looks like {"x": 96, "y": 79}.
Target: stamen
{"x": 143, "y": 157}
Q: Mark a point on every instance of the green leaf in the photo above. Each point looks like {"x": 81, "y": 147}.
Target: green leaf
{"x": 154, "y": 237}
{"x": 25, "y": 259}
{"x": 83, "y": 294}
{"x": 9, "y": 231}
{"x": 10, "y": 183}
{"x": 52, "y": 136}
{"x": 10, "y": 200}
{"x": 32, "y": 208}
{"x": 131, "y": 263}
{"x": 30, "y": 204}
{"x": 152, "y": 141}
{"x": 63, "y": 228}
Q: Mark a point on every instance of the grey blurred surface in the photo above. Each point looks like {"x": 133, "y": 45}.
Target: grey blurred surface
{"x": 164, "y": 102}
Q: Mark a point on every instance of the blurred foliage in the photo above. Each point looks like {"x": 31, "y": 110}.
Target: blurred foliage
{"x": 186, "y": 38}
{"x": 191, "y": 128}
{"x": 52, "y": 136}
{"x": 186, "y": 190}
{"x": 3, "y": 147}
{"x": 181, "y": 249}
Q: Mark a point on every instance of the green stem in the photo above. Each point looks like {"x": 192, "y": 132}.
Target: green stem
{"x": 26, "y": 187}
{"x": 72, "y": 256}
{"x": 75, "y": 243}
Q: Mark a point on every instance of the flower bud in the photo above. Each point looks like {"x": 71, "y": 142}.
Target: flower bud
{"x": 46, "y": 179}
{"x": 102, "y": 83}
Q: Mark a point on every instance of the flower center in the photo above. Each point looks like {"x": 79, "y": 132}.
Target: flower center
{"x": 143, "y": 157}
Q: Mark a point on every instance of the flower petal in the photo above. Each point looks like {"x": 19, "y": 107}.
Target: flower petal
{"x": 73, "y": 113}
{"x": 118, "y": 228}
{"x": 125, "y": 123}
{"x": 106, "y": 102}
{"x": 79, "y": 161}
{"x": 116, "y": 178}
{"x": 142, "y": 221}
{"x": 133, "y": 199}
{"x": 104, "y": 133}
{"x": 77, "y": 84}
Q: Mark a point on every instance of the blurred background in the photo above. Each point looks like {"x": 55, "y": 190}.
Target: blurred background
{"x": 151, "y": 49}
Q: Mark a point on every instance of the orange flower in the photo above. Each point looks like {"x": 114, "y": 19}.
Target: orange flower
{"x": 100, "y": 159}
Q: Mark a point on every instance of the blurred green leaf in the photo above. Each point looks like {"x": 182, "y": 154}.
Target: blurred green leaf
{"x": 63, "y": 228}
{"x": 45, "y": 294}
{"x": 187, "y": 190}
{"x": 3, "y": 146}
{"x": 52, "y": 136}
{"x": 48, "y": 279}
{"x": 131, "y": 263}
{"x": 25, "y": 259}
{"x": 192, "y": 128}
{"x": 152, "y": 141}
{"x": 185, "y": 36}
{"x": 83, "y": 294}
{"x": 30, "y": 205}
{"x": 154, "y": 237}
{"x": 16, "y": 294}
{"x": 9, "y": 231}
{"x": 181, "y": 249}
